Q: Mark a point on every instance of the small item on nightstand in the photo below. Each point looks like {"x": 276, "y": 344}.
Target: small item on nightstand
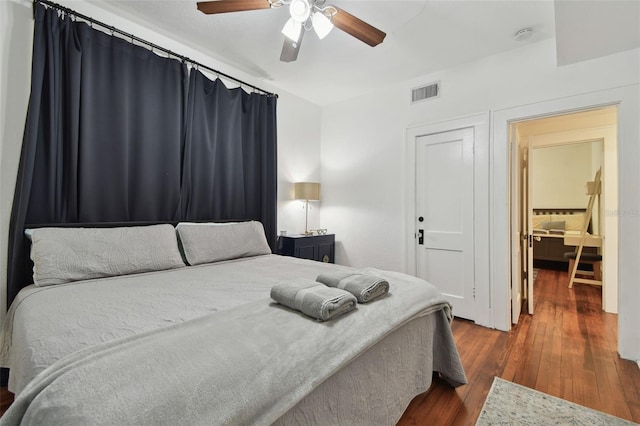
{"x": 283, "y": 233}
{"x": 322, "y": 231}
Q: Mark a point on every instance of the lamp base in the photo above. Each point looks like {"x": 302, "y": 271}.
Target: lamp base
{"x": 306, "y": 218}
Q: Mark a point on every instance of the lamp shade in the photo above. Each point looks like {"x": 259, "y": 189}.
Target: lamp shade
{"x": 292, "y": 30}
{"x": 321, "y": 25}
{"x": 306, "y": 191}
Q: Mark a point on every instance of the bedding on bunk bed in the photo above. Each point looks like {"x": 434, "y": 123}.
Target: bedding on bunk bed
{"x": 550, "y": 227}
{"x": 206, "y": 345}
{"x": 558, "y": 221}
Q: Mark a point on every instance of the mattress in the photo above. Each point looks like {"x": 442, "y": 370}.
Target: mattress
{"x": 407, "y": 337}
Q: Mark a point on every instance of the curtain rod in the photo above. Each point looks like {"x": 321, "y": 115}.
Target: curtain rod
{"x": 153, "y": 46}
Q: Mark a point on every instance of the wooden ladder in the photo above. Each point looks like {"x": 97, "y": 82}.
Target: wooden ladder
{"x": 594, "y": 192}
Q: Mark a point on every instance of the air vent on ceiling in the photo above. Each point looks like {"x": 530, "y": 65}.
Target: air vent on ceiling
{"x": 425, "y": 92}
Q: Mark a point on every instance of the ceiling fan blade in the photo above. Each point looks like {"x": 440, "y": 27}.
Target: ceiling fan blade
{"x": 291, "y": 48}
{"x": 224, "y": 6}
{"x": 357, "y": 28}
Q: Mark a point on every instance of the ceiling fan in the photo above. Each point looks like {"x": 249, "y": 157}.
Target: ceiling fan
{"x": 305, "y": 15}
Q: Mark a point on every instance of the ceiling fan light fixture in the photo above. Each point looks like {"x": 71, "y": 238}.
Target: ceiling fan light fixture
{"x": 300, "y": 10}
{"x": 304, "y": 15}
{"x": 321, "y": 24}
{"x": 292, "y": 29}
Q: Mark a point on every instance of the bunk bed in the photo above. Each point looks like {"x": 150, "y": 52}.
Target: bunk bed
{"x": 550, "y": 226}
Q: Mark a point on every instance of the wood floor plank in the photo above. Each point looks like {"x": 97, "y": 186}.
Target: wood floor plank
{"x": 609, "y": 393}
{"x": 6, "y": 398}
{"x": 554, "y": 363}
{"x": 567, "y": 349}
{"x": 570, "y": 340}
{"x": 518, "y": 350}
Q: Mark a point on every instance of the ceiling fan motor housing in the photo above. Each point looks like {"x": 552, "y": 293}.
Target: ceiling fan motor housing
{"x": 300, "y": 10}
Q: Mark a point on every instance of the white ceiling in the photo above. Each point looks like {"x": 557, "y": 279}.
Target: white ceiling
{"x": 422, "y": 37}
{"x": 604, "y": 27}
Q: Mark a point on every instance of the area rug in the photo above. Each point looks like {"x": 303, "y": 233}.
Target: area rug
{"x": 512, "y": 404}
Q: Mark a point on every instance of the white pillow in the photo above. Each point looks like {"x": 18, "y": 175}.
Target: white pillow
{"x": 214, "y": 242}
{"x": 538, "y": 219}
{"x": 573, "y": 222}
{"x": 29, "y": 233}
{"x": 62, "y": 255}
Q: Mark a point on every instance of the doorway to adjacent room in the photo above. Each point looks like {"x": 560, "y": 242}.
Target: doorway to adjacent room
{"x": 552, "y": 161}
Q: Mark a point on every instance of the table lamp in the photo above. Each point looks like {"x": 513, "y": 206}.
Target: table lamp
{"x": 306, "y": 191}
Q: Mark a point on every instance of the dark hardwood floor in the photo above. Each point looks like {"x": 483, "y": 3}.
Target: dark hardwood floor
{"x": 6, "y": 398}
{"x": 567, "y": 349}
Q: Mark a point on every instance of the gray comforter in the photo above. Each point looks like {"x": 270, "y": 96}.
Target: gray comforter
{"x": 209, "y": 357}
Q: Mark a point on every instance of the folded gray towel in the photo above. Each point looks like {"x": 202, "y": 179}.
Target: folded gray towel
{"x": 363, "y": 286}
{"x": 313, "y": 299}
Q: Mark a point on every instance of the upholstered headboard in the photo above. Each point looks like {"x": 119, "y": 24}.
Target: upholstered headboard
{"x": 559, "y": 211}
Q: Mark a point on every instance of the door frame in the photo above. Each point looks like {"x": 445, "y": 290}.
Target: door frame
{"x": 481, "y": 154}
{"x": 627, "y": 100}
{"x": 607, "y": 135}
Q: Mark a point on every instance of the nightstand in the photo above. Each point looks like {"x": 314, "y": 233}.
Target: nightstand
{"x": 313, "y": 247}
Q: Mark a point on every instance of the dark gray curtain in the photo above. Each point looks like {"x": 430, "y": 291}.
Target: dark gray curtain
{"x": 115, "y": 133}
{"x": 103, "y": 135}
{"x": 230, "y": 167}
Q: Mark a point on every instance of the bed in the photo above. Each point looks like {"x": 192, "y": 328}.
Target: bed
{"x": 204, "y": 344}
{"x": 550, "y": 226}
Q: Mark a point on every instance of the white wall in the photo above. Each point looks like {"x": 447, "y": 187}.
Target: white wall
{"x": 298, "y": 120}
{"x": 363, "y": 143}
{"x": 16, "y": 39}
{"x": 298, "y": 161}
{"x": 560, "y": 174}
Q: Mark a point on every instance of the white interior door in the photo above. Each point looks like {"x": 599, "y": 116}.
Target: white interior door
{"x": 444, "y": 216}
{"x": 529, "y": 222}
{"x": 518, "y": 236}
{"x": 522, "y": 227}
